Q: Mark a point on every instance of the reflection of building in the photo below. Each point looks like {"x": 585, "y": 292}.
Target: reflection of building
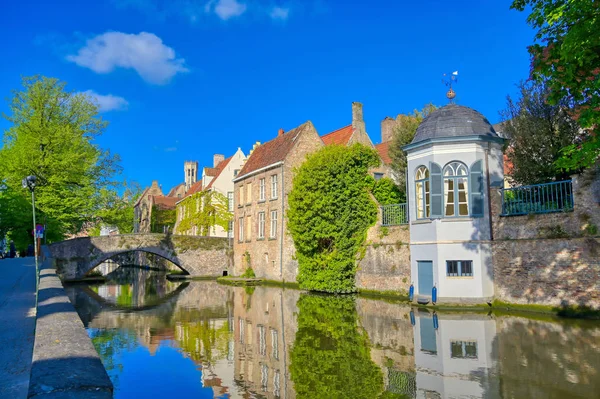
{"x": 454, "y": 356}
{"x": 265, "y": 329}
{"x": 453, "y": 160}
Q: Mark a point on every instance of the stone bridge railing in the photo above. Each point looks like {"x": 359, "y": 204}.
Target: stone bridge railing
{"x": 197, "y": 256}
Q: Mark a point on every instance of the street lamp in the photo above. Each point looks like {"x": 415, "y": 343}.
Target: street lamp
{"x": 29, "y": 182}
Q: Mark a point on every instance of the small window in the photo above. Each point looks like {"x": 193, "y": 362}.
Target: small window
{"x": 273, "y": 232}
{"x": 273, "y": 186}
{"x": 241, "y": 229}
{"x": 241, "y": 193}
{"x": 261, "y": 190}
{"x": 230, "y": 201}
{"x": 248, "y": 227}
{"x": 378, "y": 176}
{"x": 249, "y": 193}
{"x": 235, "y": 172}
{"x": 459, "y": 268}
{"x": 463, "y": 349}
{"x": 261, "y": 225}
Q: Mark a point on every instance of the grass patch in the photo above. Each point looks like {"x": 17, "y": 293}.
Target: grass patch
{"x": 395, "y": 296}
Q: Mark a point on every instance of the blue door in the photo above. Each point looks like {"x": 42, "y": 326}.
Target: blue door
{"x": 425, "y": 270}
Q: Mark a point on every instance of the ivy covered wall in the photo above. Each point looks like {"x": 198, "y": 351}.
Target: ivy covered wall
{"x": 203, "y": 210}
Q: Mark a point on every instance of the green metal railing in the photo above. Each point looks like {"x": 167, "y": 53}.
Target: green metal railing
{"x": 538, "y": 198}
{"x": 394, "y": 215}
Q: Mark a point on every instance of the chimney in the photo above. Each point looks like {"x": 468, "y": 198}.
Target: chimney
{"x": 358, "y": 123}
{"x": 280, "y": 132}
{"x": 387, "y": 129}
{"x": 155, "y": 183}
{"x": 217, "y": 159}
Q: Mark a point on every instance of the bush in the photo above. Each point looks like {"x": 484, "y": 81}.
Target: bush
{"x": 387, "y": 192}
{"x": 249, "y": 273}
{"x": 329, "y": 215}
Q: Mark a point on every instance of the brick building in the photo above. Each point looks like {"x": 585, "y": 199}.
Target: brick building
{"x": 260, "y": 200}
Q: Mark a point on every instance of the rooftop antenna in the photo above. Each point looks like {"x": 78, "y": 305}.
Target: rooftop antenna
{"x": 449, "y": 79}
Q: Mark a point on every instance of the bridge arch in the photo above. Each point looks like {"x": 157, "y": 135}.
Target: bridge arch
{"x": 198, "y": 256}
{"x": 93, "y": 264}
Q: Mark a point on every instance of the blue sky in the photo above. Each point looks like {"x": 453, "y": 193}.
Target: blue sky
{"x": 184, "y": 79}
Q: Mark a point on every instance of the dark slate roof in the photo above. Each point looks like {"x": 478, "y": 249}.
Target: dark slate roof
{"x": 454, "y": 121}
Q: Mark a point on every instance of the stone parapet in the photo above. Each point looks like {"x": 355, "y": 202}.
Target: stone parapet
{"x": 65, "y": 362}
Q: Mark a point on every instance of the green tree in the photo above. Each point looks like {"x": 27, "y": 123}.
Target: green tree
{"x": 117, "y": 210}
{"x": 52, "y": 136}
{"x": 404, "y": 133}
{"x": 387, "y": 192}
{"x": 567, "y": 55}
{"x": 330, "y": 211}
{"x": 537, "y": 132}
{"x": 331, "y": 354}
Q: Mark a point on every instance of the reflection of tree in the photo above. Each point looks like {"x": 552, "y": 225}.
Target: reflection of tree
{"x": 204, "y": 339}
{"x": 125, "y": 297}
{"x": 331, "y": 356}
{"x": 110, "y": 344}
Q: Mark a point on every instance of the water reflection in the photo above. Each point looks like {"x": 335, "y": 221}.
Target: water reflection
{"x": 208, "y": 340}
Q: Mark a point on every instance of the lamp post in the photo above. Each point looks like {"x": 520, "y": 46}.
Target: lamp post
{"x": 29, "y": 182}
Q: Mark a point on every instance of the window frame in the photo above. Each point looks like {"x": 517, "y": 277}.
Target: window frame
{"x": 273, "y": 228}
{"x": 454, "y": 178}
{"x": 261, "y": 225}
{"x": 378, "y": 176}
{"x": 241, "y": 229}
{"x": 261, "y": 190}
{"x": 230, "y": 197}
{"x": 461, "y": 266}
{"x": 274, "y": 186}
{"x": 425, "y": 200}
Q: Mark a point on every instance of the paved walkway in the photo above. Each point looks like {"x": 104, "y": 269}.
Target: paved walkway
{"x": 17, "y": 325}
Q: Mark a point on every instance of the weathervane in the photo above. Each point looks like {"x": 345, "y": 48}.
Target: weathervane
{"x": 449, "y": 80}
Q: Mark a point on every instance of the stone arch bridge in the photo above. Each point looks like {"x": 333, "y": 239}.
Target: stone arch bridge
{"x": 197, "y": 256}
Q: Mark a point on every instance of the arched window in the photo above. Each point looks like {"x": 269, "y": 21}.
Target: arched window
{"x": 456, "y": 191}
{"x": 422, "y": 192}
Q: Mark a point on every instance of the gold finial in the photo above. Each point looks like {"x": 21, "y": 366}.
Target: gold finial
{"x": 451, "y": 94}
{"x": 449, "y": 79}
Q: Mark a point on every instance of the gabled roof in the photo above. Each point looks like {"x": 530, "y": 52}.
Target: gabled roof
{"x": 384, "y": 152}
{"x": 165, "y": 202}
{"x": 194, "y": 188}
{"x": 340, "y": 136}
{"x": 220, "y": 168}
{"x": 273, "y": 151}
{"x": 173, "y": 191}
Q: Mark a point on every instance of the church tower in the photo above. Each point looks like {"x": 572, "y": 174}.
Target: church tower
{"x": 191, "y": 173}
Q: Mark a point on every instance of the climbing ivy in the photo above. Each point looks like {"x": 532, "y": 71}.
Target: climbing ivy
{"x": 162, "y": 218}
{"x": 331, "y": 357}
{"x": 387, "y": 192}
{"x": 330, "y": 211}
{"x": 204, "y": 209}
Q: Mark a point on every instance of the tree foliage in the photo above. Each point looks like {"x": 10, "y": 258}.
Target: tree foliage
{"x": 537, "y": 132}
{"x": 117, "y": 210}
{"x": 387, "y": 192}
{"x": 331, "y": 357}
{"x": 52, "y": 137}
{"x": 204, "y": 210}
{"x": 330, "y": 211}
{"x": 567, "y": 54}
{"x": 404, "y": 133}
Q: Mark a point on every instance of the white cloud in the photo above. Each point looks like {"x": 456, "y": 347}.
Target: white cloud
{"x": 225, "y": 9}
{"x": 145, "y": 53}
{"x": 107, "y": 102}
{"x": 279, "y": 13}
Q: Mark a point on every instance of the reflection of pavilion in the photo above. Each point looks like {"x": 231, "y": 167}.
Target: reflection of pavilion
{"x": 453, "y": 356}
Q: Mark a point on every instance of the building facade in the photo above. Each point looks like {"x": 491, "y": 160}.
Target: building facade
{"x": 260, "y": 202}
{"x": 454, "y": 159}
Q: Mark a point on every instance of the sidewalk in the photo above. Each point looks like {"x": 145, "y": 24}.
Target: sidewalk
{"x": 17, "y": 324}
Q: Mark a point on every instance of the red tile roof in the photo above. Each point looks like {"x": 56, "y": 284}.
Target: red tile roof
{"x": 508, "y": 166}
{"x": 194, "y": 188}
{"x": 384, "y": 152}
{"x": 340, "y": 136}
{"x": 220, "y": 168}
{"x": 273, "y": 151}
{"x": 165, "y": 202}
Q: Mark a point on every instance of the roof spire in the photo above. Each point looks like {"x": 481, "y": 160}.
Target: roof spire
{"x": 449, "y": 79}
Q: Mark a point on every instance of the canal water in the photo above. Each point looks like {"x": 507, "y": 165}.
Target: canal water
{"x": 162, "y": 339}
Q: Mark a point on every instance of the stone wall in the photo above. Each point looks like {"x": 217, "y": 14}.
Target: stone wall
{"x": 550, "y": 259}
{"x": 548, "y": 271}
{"x": 386, "y": 262}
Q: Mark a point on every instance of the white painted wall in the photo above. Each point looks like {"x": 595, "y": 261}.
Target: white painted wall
{"x": 439, "y": 240}
{"x": 455, "y": 377}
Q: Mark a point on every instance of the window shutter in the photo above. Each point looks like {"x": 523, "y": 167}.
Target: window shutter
{"x": 436, "y": 189}
{"x": 476, "y": 185}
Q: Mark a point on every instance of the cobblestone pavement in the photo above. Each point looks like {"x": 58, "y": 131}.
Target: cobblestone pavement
{"x": 17, "y": 325}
